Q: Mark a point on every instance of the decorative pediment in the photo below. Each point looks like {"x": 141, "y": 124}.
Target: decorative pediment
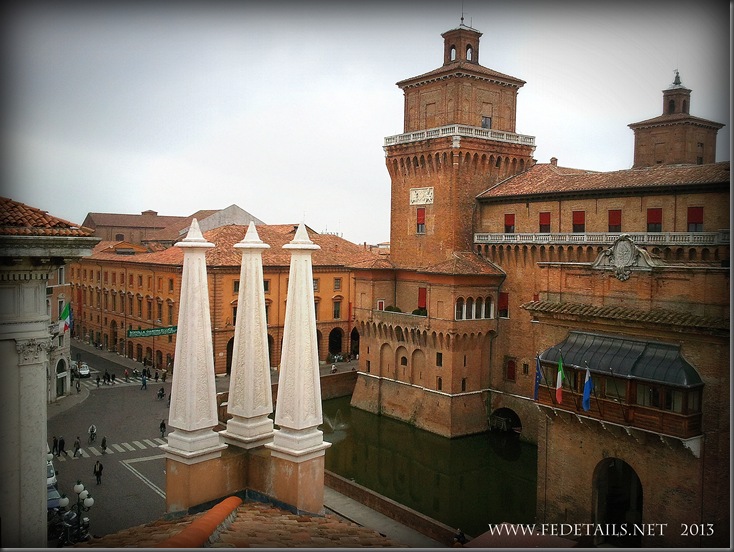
{"x": 623, "y": 257}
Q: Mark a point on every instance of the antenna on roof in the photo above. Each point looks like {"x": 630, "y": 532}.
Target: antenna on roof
{"x": 462, "y": 12}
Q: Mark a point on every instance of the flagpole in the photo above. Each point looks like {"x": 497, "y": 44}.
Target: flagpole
{"x": 553, "y": 400}
{"x": 616, "y": 389}
{"x": 593, "y": 388}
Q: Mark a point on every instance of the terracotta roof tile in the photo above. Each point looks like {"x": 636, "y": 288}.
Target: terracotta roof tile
{"x": 616, "y": 312}
{"x": 545, "y": 178}
{"x": 144, "y": 220}
{"x": 464, "y": 263}
{"x": 19, "y": 219}
{"x": 255, "y": 525}
{"x": 335, "y": 251}
{"x": 675, "y": 118}
{"x": 462, "y": 68}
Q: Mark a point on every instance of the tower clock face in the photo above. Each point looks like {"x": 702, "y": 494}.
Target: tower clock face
{"x": 421, "y": 196}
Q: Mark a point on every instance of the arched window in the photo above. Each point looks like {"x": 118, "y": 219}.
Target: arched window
{"x": 470, "y": 309}
{"x": 469, "y": 53}
{"x": 671, "y": 107}
{"x": 479, "y": 308}
{"x": 439, "y": 384}
{"x": 488, "y": 308}
{"x": 453, "y": 53}
{"x": 685, "y": 106}
{"x": 403, "y": 361}
{"x": 460, "y": 309}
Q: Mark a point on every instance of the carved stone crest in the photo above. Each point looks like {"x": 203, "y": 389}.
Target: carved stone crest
{"x": 622, "y": 257}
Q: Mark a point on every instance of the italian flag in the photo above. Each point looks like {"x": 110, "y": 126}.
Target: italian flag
{"x": 559, "y": 381}
{"x": 66, "y": 316}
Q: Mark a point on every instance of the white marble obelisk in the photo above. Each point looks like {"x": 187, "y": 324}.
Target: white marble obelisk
{"x": 193, "y": 411}
{"x": 250, "y": 399}
{"x": 298, "y": 409}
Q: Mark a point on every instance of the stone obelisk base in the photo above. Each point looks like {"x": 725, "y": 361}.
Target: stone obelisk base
{"x": 297, "y": 460}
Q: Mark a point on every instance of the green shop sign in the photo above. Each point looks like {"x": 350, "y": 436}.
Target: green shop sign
{"x": 151, "y": 332}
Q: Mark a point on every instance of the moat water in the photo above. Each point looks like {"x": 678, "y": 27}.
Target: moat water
{"x": 468, "y": 482}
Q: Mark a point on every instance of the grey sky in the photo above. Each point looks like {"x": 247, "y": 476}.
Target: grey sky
{"x": 282, "y": 108}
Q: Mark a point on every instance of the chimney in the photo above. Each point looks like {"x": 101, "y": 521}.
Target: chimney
{"x": 554, "y": 161}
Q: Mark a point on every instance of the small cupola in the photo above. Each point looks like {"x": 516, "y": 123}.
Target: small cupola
{"x": 677, "y": 98}
{"x": 461, "y": 44}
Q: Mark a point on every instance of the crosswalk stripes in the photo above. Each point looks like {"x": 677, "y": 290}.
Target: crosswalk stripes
{"x": 90, "y": 451}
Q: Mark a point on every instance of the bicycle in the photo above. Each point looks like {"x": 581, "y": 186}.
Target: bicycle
{"x": 92, "y": 434}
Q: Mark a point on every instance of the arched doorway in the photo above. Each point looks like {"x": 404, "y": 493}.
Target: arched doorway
{"x": 230, "y": 354}
{"x": 336, "y": 338}
{"x": 61, "y": 378}
{"x": 617, "y": 499}
{"x": 354, "y": 343}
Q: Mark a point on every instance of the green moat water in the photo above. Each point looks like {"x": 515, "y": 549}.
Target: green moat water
{"x": 467, "y": 482}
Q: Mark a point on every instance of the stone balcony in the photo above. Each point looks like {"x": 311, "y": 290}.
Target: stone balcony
{"x": 660, "y": 239}
{"x": 460, "y": 131}
{"x": 426, "y": 323}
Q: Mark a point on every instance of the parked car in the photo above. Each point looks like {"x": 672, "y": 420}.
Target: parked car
{"x": 54, "y": 497}
{"x": 51, "y": 474}
{"x": 84, "y": 371}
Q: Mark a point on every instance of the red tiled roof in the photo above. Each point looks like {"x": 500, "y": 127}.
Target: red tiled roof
{"x": 335, "y": 251}
{"x": 464, "y": 263}
{"x": 676, "y": 118}
{"x": 19, "y": 219}
{"x": 143, "y": 220}
{"x": 459, "y": 69}
{"x": 254, "y": 525}
{"x": 547, "y": 178}
{"x": 657, "y": 316}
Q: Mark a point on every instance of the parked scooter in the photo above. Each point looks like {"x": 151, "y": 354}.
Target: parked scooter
{"x": 69, "y": 532}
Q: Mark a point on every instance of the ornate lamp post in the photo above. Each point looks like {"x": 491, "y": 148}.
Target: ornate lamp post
{"x": 84, "y": 503}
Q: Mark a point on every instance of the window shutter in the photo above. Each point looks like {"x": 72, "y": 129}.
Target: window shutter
{"x": 655, "y": 216}
{"x": 544, "y": 219}
{"x": 509, "y": 219}
{"x": 421, "y": 215}
{"x": 695, "y": 215}
{"x": 503, "y": 300}
{"x": 421, "y": 298}
{"x": 615, "y": 217}
{"x": 579, "y": 217}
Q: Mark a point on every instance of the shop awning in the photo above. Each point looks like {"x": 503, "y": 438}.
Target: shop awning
{"x": 626, "y": 358}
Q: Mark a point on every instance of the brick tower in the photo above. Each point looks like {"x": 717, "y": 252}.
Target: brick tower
{"x": 675, "y": 136}
{"x": 459, "y": 139}
{"x": 427, "y": 317}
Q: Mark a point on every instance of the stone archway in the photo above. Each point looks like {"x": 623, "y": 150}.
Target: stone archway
{"x": 354, "y": 342}
{"x": 617, "y": 500}
{"x": 336, "y": 338}
{"x": 230, "y": 354}
{"x": 61, "y": 378}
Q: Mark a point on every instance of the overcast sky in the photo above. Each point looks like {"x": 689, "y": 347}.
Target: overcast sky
{"x": 281, "y": 108}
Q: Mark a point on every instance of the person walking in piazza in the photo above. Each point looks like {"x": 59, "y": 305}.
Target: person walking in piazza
{"x": 97, "y": 471}
{"x": 97, "y": 380}
{"x": 163, "y": 428}
{"x": 144, "y": 380}
{"x": 62, "y": 444}
{"x": 104, "y": 444}
{"x": 55, "y": 447}
{"x": 125, "y": 373}
{"x": 77, "y": 446}
{"x": 113, "y": 378}
{"x": 78, "y": 386}
{"x": 156, "y": 376}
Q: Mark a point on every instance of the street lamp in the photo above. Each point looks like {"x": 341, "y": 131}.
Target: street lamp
{"x": 84, "y": 503}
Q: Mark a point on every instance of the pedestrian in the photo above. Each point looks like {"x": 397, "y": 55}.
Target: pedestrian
{"x": 106, "y": 377}
{"x": 62, "y": 444}
{"x": 113, "y": 378}
{"x": 145, "y": 384}
{"x": 97, "y": 380}
{"x": 77, "y": 446}
{"x": 156, "y": 376}
{"x": 97, "y": 471}
{"x": 125, "y": 373}
{"x": 104, "y": 444}
{"x": 78, "y": 386}
{"x": 55, "y": 447}
{"x": 163, "y": 428}
{"x": 163, "y": 376}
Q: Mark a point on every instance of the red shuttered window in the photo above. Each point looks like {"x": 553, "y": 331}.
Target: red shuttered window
{"x": 655, "y": 220}
{"x": 695, "y": 219}
{"x": 509, "y": 223}
{"x": 579, "y": 221}
{"x": 615, "y": 220}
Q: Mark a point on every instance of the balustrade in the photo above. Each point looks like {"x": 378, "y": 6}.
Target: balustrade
{"x": 606, "y": 238}
{"x": 460, "y": 130}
